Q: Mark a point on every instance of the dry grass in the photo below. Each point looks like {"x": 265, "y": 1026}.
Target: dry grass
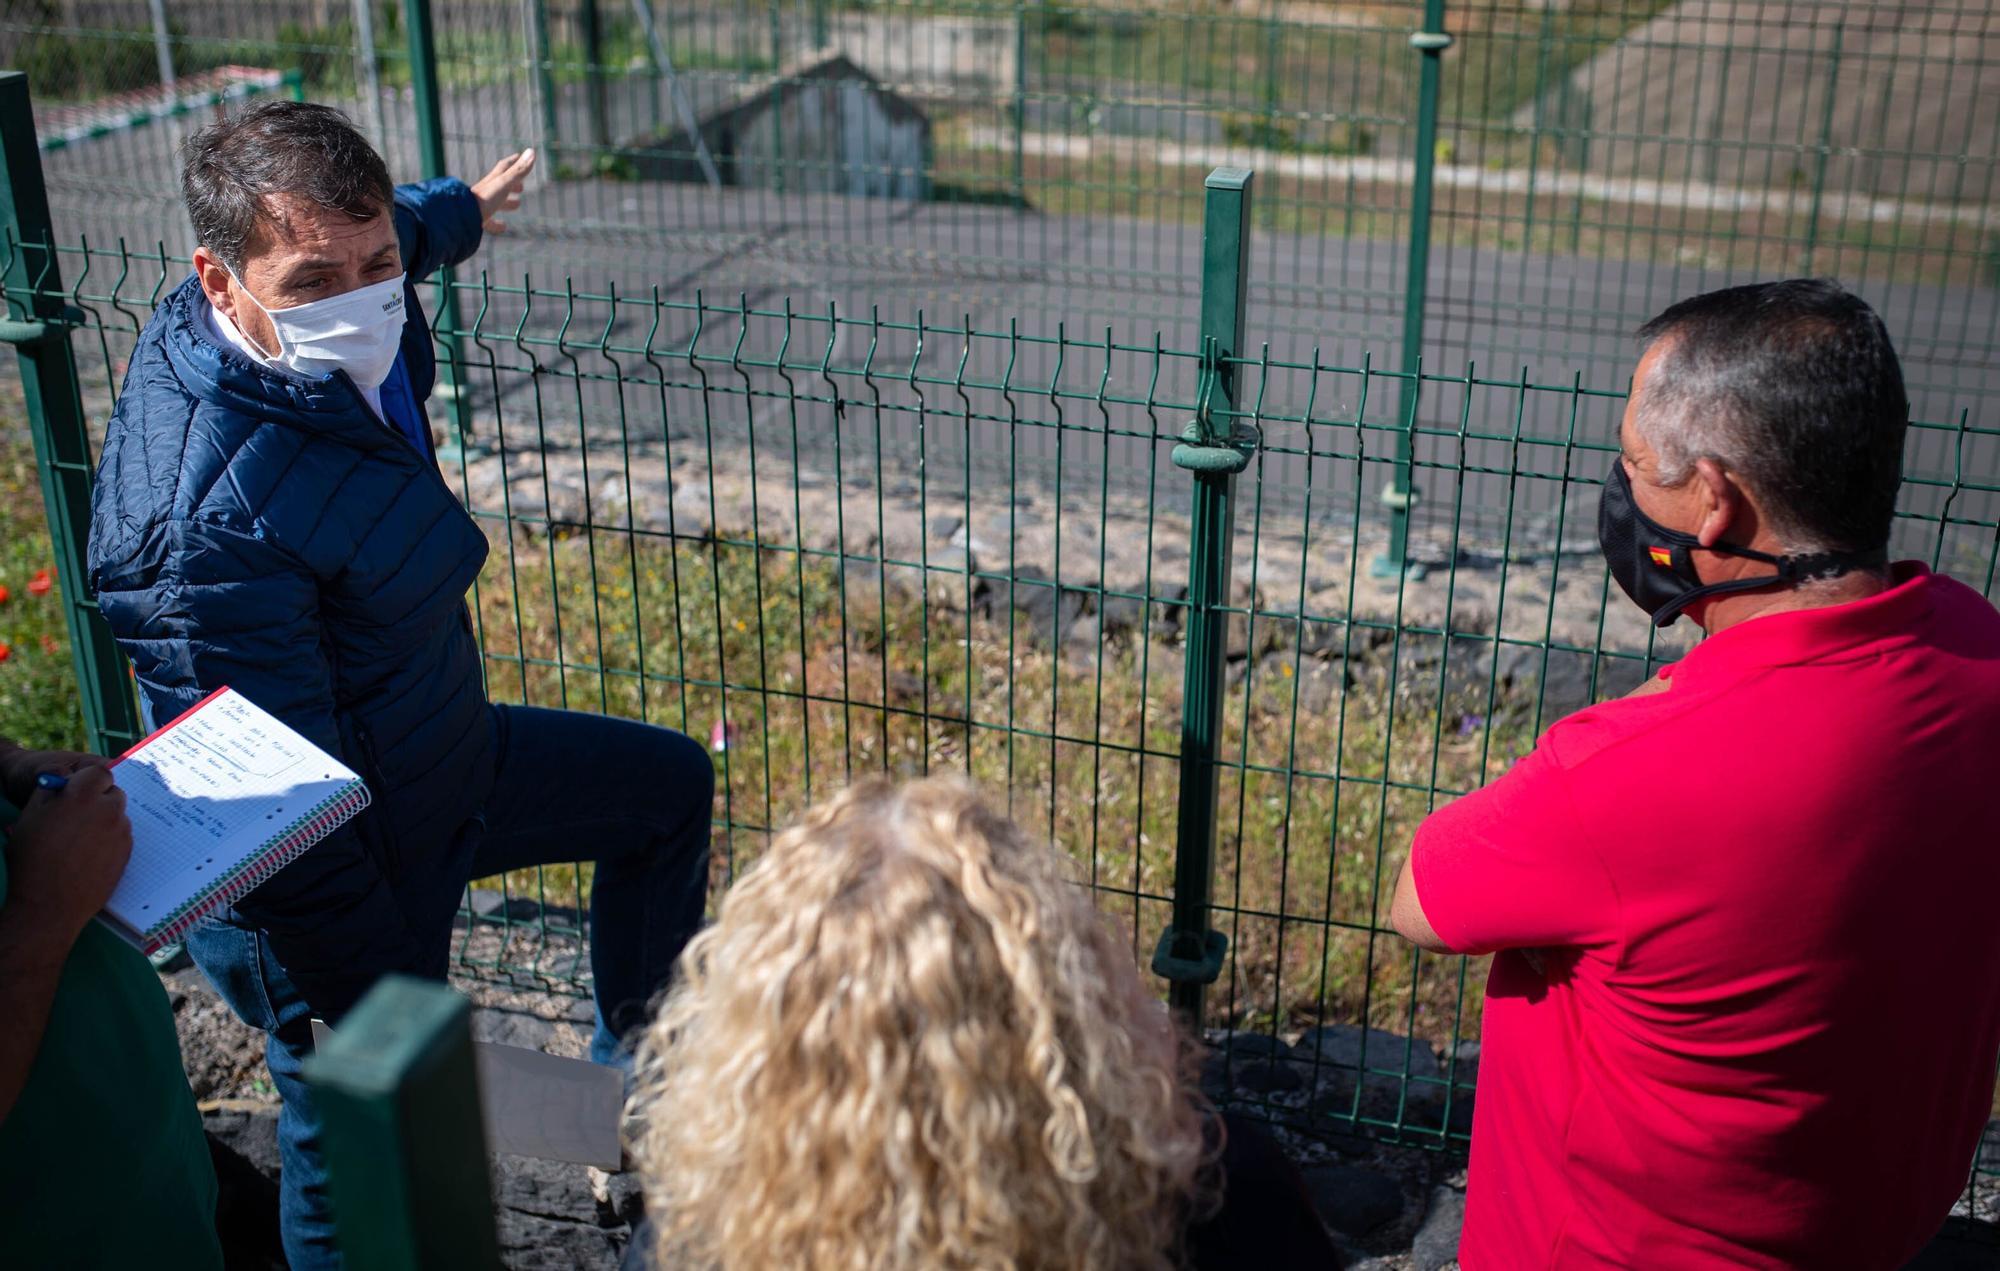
{"x": 819, "y": 674}
{"x": 1753, "y": 240}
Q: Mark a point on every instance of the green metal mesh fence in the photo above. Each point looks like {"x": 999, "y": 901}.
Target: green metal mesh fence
{"x": 855, "y": 460}
{"x": 1511, "y": 184}
{"x": 1591, "y": 161}
{"x": 834, "y": 544}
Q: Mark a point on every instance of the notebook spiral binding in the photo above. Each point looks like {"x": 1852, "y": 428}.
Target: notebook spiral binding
{"x": 280, "y": 851}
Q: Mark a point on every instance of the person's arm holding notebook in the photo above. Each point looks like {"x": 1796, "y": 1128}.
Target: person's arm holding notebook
{"x": 64, "y": 855}
{"x": 20, "y": 766}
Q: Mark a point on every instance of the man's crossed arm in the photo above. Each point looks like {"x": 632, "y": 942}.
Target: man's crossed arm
{"x": 1406, "y": 912}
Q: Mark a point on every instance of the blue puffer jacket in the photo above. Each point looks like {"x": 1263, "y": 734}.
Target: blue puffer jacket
{"x": 266, "y": 531}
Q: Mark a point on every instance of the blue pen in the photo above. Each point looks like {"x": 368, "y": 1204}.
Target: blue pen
{"x": 51, "y": 781}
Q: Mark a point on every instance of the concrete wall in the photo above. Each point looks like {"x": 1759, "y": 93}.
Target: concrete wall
{"x": 1906, "y": 98}
{"x": 939, "y": 54}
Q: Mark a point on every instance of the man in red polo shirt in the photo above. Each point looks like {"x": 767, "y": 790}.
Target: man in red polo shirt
{"x": 1745, "y": 1007}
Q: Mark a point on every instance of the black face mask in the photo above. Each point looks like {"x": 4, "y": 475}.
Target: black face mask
{"x": 1655, "y": 565}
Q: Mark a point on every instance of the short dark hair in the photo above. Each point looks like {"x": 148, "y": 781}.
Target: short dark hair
{"x": 1795, "y": 386}
{"x": 310, "y": 152}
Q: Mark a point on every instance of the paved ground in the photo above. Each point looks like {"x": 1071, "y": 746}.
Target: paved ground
{"x": 1500, "y": 308}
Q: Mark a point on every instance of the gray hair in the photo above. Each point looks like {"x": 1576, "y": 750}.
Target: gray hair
{"x": 231, "y": 168}
{"x": 1795, "y": 388}
{"x": 1688, "y": 413}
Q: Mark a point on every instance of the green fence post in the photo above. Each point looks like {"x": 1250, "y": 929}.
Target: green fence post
{"x": 545, "y": 81}
{"x": 430, "y": 140}
{"x": 398, "y": 1093}
{"x": 1825, "y": 151}
{"x": 1400, "y": 495}
{"x": 781, "y": 88}
{"x": 655, "y": 71}
{"x": 34, "y": 323}
{"x": 369, "y": 70}
{"x": 1273, "y": 59}
{"x": 1215, "y": 447}
{"x": 596, "y": 102}
{"x": 1020, "y": 111}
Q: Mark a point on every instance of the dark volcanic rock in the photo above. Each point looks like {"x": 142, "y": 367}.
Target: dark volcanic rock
{"x": 1436, "y": 1244}
{"x": 529, "y": 1242}
{"x": 1340, "y": 1047}
{"x": 1248, "y": 1061}
{"x": 550, "y": 1189}
{"x": 1963, "y": 1245}
{"x": 1246, "y": 1045}
{"x": 1354, "y": 1201}
{"x": 553, "y": 1214}
{"x": 243, "y": 1144}
{"x": 513, "y": 1028}
{"x": 1263, "y": 1076}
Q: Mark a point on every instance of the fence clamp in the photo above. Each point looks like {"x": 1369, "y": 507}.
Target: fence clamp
{"x": 1203, "y": 448}
{"x": 26, "y": 331}
{"x": 1190, "y": 957}
{"x": 1430, "y": 41}
{"x": 1199, "y": 454}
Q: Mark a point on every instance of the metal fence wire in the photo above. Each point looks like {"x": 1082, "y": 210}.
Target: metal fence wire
{"x": 836, "y": 544}
{"x": 846, "y": 482}
{"x": 1512, "y": 184}
{"x": 1649, "y": 146}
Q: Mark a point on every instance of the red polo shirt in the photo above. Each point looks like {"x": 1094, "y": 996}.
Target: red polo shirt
{"x": 1765, "y": 1030}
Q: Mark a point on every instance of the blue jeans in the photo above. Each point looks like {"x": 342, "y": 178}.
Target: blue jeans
{"x": 633, "y": 798}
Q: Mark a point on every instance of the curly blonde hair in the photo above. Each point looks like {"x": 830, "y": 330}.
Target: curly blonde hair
{"x": 909, "y": 1042}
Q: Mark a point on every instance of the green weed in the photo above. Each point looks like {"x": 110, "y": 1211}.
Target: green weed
{"x": 38, "y": 696}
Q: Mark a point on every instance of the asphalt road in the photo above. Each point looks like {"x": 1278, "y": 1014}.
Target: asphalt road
{"x": 1552, "y": 320}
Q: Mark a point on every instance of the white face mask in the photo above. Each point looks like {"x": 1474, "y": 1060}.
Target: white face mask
{"x": 358, "y": 332}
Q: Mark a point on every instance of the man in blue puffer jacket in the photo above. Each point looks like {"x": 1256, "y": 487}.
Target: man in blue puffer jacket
{"x": 269, "y": 515}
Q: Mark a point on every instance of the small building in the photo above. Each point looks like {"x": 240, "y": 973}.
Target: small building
{"x": 822, "y": 125}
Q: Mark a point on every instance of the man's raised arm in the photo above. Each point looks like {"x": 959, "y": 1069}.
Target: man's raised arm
{"x": 442, "y": 221}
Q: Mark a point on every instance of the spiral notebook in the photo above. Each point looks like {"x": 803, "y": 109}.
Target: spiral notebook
{"x": 220, "y": 799}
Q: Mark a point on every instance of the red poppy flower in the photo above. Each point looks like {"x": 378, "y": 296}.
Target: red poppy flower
{"x": 5, "y": 595}
{"x": 6, "y": 651}
{"x": 39, "y": 585}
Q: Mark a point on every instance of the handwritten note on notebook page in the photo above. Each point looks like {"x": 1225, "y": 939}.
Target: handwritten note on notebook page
{"x": 219, "y": 799}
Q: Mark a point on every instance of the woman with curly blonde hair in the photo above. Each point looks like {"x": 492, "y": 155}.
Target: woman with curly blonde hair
{"x": 909, "y": 1043}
